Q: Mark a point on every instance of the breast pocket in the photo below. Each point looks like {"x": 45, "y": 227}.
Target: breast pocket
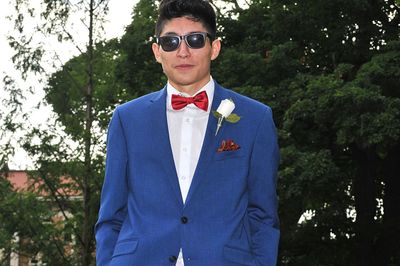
{"x": 225, "y": 155}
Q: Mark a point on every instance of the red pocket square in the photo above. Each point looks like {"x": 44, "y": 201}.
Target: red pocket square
{"x": 228, "y": 145}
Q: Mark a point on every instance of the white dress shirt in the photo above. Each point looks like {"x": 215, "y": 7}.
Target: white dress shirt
{"x": 187, "y": 128}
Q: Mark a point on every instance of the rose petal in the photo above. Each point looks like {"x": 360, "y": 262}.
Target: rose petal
{"x": 226, "y": 107}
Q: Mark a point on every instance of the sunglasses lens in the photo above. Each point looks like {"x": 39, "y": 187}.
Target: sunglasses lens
{"x": 196, "y": 40}
{"x": 169, "y": 43}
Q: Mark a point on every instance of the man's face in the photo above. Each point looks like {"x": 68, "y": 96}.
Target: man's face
{"x": 187, "y": 69}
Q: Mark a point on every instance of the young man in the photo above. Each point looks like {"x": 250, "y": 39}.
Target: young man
{"x": 177, "y": 191}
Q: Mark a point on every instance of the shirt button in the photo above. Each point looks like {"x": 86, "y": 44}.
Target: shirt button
{"x": 172, "y": 259}
{"x": 188, "y": 120}
{"x": 183, "y": 177}
{"x": 184, "y": 149}
{"x": 184, "y": 219}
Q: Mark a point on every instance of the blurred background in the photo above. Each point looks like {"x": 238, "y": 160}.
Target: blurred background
{"x": 330, "y": 70}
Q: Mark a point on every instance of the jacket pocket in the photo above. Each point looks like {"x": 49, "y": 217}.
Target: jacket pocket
{"x": 224, "y": 155}
{"x": 125, "y": 247}
{"x": 239, "y": 256}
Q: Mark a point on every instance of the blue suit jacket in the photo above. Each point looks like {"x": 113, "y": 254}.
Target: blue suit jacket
{"x": 230, "y": 214}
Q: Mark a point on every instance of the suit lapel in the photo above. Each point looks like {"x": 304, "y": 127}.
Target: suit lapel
{"x": 209, "y": 144}
{"x": 157, "y": 113}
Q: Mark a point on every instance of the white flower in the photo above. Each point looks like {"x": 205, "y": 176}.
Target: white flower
{"x": 226, "y": 107}
{"x": 224, "y": 110}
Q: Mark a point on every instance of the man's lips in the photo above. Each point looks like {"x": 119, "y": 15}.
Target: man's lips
{"x": 184, "y": 66}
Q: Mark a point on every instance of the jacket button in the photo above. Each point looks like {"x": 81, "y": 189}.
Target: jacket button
{"x": 184, "y": 219}
{"x": 173, "y": 259}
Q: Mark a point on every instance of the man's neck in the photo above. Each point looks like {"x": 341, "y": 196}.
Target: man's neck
{"x": 190, "y": 89}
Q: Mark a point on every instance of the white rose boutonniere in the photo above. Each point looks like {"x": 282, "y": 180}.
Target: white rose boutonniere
{"x": 224, "y": 112}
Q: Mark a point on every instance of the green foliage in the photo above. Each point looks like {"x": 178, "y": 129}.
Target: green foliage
{"x": 66, "y": 88}
{"x": 138, "y": 68}
{"x": 84, "y": 88}
{"x": 28, "y": 226}
{"x": 347, "y": 118}
{"x": 333, "y": 85}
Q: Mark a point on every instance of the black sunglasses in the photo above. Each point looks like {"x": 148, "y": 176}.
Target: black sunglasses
{"x": 195, "y": 40}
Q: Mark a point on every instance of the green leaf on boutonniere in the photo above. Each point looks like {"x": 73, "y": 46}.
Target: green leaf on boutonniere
{"x": 233, "y": 118}
{"x": 216, "y": 114}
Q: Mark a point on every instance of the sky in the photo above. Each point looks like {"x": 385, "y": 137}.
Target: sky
{"x": 119, "y": 16}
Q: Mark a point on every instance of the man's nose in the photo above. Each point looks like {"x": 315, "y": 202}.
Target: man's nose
{"x": 183, "y": 50}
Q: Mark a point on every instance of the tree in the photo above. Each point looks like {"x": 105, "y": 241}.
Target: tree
{"x": 306, "y": 60}
{"x": 10, "y": 119}
{"x": 137, "y": 67}
{"x": 28, "y": 226}
{"x": 64, "y": 91}
{"x": 73, "y": 153}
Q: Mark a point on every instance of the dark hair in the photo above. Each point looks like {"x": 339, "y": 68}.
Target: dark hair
{"x": 196, "y": 10}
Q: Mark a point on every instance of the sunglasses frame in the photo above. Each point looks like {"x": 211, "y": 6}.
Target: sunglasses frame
{"x": 184, "y": 37}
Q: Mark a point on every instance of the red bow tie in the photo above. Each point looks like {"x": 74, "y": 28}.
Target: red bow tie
{"x": 200, "y": 100}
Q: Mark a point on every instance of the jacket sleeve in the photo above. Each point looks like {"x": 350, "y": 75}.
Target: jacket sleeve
{"x": 113, "y": 203}
{"x": 263, "y": 204}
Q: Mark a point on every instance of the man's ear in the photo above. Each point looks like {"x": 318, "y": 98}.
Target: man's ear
{"x": 156, "y": 52}
{"x": 215, "y": 48}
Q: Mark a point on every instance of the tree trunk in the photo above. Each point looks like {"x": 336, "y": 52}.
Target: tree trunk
{"x": 87, "y": 228}
{"x": 364, "y": 188}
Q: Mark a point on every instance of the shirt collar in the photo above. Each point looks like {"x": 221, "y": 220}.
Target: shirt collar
{"x": 209, "y": 88}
